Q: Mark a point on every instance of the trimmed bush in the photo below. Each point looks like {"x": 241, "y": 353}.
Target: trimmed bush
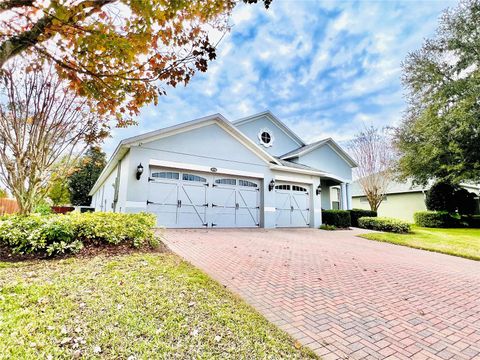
{"x": 356, "y": 214}
{"x": 338, "y": 218}
{"x": 384, "y": 224}
{"x": 441, "y": 197}
{"x": 472, "y": 221}
{"x": 59, "y": 234}
{"x": 434, "y": 219}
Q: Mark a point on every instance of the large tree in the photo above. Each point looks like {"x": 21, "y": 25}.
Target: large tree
{"x": 373, "y": 152}
{"x": 84, "y": 176}
{"x": 439, "y": 136}
{"x": 118, "y": 53}
{"x": 41, "y": 121}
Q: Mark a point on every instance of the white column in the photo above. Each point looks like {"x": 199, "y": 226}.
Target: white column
{"x": 349, "y": 196}
{"x": 343, "y": 195}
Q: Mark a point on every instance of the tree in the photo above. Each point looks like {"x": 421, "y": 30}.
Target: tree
{"x": 82, "y": 179}
{"x": 441, "y": 197}
{"x": 115, "y": 52}
{"x": 439, "y": 136}
{"x": 465, "y": 202}
{"x": 373, "y": 152}
{"x": 41, "y": 121}
{"x": 58, "y": 191}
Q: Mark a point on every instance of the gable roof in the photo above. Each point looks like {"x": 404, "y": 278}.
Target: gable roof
{"x": 310, "y": 147}
{"x": 268, "y": 114}
{"x": 124, "y": 145}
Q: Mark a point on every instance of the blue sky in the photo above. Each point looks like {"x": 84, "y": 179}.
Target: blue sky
{"x": 325, "y": 68}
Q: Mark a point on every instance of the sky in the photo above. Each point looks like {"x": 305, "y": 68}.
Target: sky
{"x": 325, "y": 68}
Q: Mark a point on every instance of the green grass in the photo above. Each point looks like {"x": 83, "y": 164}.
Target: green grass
{"x": 458, "y": 242}
{"x": 135, "y": 306}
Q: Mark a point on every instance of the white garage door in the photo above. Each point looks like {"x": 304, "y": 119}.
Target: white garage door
{"x": 292, "y": 203}
{"x": 191, "y": 200}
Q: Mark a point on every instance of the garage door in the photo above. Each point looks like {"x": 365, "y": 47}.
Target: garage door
{"x": 191, "y": 200}
{"x": 292, "y": 203}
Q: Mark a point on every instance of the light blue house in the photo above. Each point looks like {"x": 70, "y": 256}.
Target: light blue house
{"x": 210, "y": 172}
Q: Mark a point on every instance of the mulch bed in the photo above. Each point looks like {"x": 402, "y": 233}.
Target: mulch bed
{"x": 89, "y": 250}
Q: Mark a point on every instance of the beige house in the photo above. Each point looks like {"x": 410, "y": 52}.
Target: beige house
{"x": 402, "y": 200}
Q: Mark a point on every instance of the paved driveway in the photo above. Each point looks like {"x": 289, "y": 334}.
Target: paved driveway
{"x": 344, "y": 296}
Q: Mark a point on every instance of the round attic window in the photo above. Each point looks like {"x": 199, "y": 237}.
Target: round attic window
{"x": 265, "y": 137}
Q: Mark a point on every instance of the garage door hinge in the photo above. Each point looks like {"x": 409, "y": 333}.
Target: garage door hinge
{"x": 206, "y": 205}
{"x": 151, "y": 179}
{"x": 213, "y": 185}
{"x": 214, "y": 224}
{"x": 207, "y": 184}
{"x": 257, "y": 224}
{"x": 213, "y": 205}
{"x": 149, "y": 202}
{"x": 206, "y": 224}
{"x": 258, "y": 207}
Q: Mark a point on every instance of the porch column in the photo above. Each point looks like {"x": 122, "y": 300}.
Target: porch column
{"x": 343, "y": 195}
{"x": 349, "y": 196}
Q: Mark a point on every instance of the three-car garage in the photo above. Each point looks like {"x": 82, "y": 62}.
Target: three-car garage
{"x": 189, "y": 199}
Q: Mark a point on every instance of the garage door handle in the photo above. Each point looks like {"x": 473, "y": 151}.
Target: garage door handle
{"x": 237, "y": 206}
{"x": 179, "y": 203}
{"x": 291, "y": 208}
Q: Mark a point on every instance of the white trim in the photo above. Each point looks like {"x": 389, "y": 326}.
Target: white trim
{"x": 202, "y": 168}
{"x": 294, "y": 179}
{"x": 317, "y": 210}
{"x": 307, "y": 172}
{"x": 269, "y": 209}
{"x": 272, "y": 138}
{"x": 274, "y": 120}
{"x": 136, "y": 204}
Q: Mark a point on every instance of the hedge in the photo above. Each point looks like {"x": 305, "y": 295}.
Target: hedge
{"x": 356, "y": 214}
{"x": 338, "y": 218}
{"x": 472, "y": 221}
{"x": 434, "y": 219}
{"x": 59, "y": 234}
{"x": 384, "y": 224}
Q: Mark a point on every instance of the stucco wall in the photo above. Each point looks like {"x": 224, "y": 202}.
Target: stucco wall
{"x": 326, "y": 159}
{"x": 102, "y": 200}
{"x": 399, "y": 206}
{"x": 282, "y": 143}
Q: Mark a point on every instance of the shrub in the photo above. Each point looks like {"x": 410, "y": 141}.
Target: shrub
{"x": 338, "y": 218}
{"x": 472, "y": 221}
{"x": 356, "y": 214}
{"x": 465, "y": 201}
{"x": 384, "y": 224}
{"x": 434, "y": 219}
{"x": 58, "y": 234}
{"x": 441, "y": 197}
{"x": 328, "y": 227}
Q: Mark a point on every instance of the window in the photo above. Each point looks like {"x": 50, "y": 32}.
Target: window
{"x": 226, "y": 181}
{"x": 266, "y": 138}
{"x": 298, "y": 188}
{"x": 335, "y": 205}
{"x": 282, "y": 187}
{"x": 165, "y": 175}
{"x": 246, "y": 183}
{"x": 191, "y": 177}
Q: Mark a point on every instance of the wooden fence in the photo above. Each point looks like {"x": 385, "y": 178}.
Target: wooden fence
{"x": 8, "y": 206}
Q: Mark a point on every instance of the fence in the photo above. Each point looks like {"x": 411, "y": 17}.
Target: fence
{"x": 8, "y": 206}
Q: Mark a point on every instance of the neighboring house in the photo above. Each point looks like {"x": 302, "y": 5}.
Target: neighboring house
{"x": 210, "y": 172}
{"x": 401, "y": 200}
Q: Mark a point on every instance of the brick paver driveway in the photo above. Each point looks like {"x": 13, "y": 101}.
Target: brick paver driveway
{"x": 344, "y": 296}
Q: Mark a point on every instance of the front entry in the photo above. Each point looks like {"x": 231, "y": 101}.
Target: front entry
{"x": 292, "y": 205}
{"x": 186, "y": 199}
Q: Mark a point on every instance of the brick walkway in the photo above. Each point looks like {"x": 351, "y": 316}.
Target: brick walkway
{"x": 343, "y": 296}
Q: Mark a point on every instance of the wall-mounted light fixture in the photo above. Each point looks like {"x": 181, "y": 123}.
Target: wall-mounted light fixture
{"x": 319, "y": 189}
{"x": 139, "y": 171}
{"x": 271, "y": 185}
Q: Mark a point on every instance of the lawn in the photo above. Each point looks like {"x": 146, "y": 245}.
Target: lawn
{"x": 130, "y": 306}
{"x": 458, "y": 242}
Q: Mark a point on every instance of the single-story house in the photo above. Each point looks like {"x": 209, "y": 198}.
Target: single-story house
{"x": 401, "y": 200}
{"x": 210, "y": 172}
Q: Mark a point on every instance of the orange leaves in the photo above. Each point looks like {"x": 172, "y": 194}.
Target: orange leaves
{"x": 117, "y": 54}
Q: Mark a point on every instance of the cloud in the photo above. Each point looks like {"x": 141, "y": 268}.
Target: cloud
{"x": 326, "y": 68}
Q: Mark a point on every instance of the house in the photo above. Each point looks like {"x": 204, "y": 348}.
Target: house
{"x": 210, "y": 172}
{"x": 401, "y": 200}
